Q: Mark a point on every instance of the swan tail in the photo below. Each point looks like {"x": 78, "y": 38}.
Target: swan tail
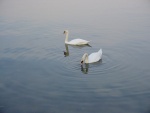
{"x": 100, "y": 51}
{"x": 88, "y": 41}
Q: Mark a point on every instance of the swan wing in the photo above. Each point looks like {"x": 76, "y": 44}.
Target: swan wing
{"x": 78, "y": 42}
{"x": 94, "y": 57}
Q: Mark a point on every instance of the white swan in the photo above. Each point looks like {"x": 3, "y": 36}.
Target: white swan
{"x": 74, "y": 41}
{"x": 93, "y": 57}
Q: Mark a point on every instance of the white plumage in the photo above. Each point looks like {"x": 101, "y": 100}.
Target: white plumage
{"x": 74, "y": 41}
{"x": 93, "y": 57}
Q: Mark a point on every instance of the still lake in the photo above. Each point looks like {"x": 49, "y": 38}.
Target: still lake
{"x": 36, "y": 76}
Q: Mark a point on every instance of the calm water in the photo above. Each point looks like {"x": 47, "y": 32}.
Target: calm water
{"x": 36, "y": 77}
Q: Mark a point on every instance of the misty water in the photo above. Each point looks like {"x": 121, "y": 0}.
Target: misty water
{"x": 36, "y": 76}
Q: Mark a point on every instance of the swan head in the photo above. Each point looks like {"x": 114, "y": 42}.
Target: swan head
{"x": 66, "y": 53}
{"x": 84, "y": 58}
{"x": 66, "y": 32}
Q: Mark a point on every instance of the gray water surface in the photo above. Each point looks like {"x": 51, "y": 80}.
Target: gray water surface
{"x": 36, "y": 76}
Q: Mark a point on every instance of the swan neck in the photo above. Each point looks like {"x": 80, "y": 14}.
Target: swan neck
{"x": 66, "y": 39}
{"x": 86, "y": 59}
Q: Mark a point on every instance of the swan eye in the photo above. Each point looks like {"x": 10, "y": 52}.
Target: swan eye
{"x": 82, "y": 61}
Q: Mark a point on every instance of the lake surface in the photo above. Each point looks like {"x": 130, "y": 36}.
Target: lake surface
{"x": 36, "y": 76}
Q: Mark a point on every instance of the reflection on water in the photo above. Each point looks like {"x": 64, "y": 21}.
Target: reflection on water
{"x": 36, "y": 78}
{"x": 85, "y": 68}
{"x": 66, "y": 52}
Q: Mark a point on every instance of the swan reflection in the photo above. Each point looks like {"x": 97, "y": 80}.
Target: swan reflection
{"x": 85, "y": 68}
{"x": 66, "y": 52}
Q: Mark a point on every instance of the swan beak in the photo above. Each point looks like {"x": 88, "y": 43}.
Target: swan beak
{"x": 82, "y": 62}
{"x": 64, "y": 32}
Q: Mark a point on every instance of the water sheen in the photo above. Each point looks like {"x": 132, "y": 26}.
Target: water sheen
{"x": 37, "y": 77}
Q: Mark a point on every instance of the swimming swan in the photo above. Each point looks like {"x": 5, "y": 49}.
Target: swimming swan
{"x": 93, "y": 57}
{"x": 74, "y": 41}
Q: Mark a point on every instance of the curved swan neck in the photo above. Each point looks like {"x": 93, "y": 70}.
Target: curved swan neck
{"x": 86, "y": 58}
{"x": 66, "y": 39}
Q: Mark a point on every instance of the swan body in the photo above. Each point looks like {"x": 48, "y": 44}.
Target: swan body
{"x": 93, "y": 57}
{"x": 74, "y": 41}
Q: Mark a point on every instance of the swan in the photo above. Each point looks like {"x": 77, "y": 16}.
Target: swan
{"x": 93, "y": 57}
{"x": 74, "y": 41}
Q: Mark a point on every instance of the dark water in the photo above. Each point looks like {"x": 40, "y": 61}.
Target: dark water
{"x": 36, "y": 77}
